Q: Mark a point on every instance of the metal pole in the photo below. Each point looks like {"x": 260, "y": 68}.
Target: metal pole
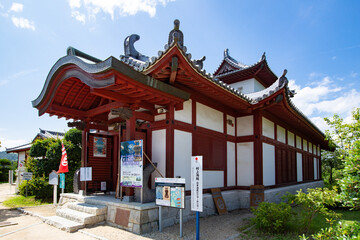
{"x": 142, "y": 195}
{"x": 197, "y": 225}
{"x": 160, "y": 218}
{"x": 26, "y": 188}
{"x": 55, "y": 195}
{"x": 181, "y": 222}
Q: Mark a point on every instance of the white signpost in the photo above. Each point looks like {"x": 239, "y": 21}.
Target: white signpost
{"x": 197, "y": 190}
{"x": 54, "y": 180}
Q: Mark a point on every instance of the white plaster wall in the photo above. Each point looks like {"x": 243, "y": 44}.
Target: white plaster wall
{"x": 230, "y": 128}
{"x": 291, "y": 140}
{"x": 182, "y": 156}
{"x": 305, "y": 146}
{"x": 299, "y": 167}
{"x": 268, "y": 164}
{"x": 310, "y": 147}
{"x": 158, "y": 150}
{"x": 160, "y": 117}
{"x": 258, "y": 86}
{"x": 314, "y": 149}
{"x": 245, "y": 126}
{"x": 210, "y": 118}
{"x": 267, "y": 128}
{"x": 280, "y": 132}
{"x": 230, "y": 164}
{"x": 185, "y": 115}
{"x": 315, "y": 168}
{"x": 245, "y": 164}
{"x": 298, "y": 142}
{"x": 318, "y": 151}
{"x": 21, "y": 157}
{"x": 213, "y": 179}
{"x": 248, "y": 86}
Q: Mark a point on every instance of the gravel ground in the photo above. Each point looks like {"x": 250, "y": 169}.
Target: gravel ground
{"x": 214, "y": 227}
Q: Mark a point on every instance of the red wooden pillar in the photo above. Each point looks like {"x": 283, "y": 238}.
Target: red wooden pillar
{"x": 170, "y": 142}
{"x": 258, "y": 161}
{"x": 130, "y": 135}
{"x": 84, "y": 152}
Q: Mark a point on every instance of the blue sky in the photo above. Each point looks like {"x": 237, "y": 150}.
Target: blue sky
{"x": 317, "y": 41}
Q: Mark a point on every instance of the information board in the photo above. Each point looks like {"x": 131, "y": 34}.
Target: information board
{"x": 218, "y": 200}
{"x": 62, "y": 181}
{"x": 170, "y": 192}
{"x": 26, "y": 175}
{"x": 131, "y": 163}
{"x": 53, "y": 178}
{"x": 196, "y": 184}
{"x": 86, "y": 174}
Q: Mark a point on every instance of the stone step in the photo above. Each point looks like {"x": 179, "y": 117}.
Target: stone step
{"x": 63, "y": 223}
{"x": 88, "y": 208}
{"x": 80, "y": 217}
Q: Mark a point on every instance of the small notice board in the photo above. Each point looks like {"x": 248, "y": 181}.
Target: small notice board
{"x": 218, "y": 200}
{"x": 170, "y": 192}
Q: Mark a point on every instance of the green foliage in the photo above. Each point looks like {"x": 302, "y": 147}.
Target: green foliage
{"x": 316, "y": 201}
{"x": 330, "y": 163}
{"x": 272, "y": 217}
{"x": 38, "y": 187}
{"x": 46, "y": 155}
{"x": 350, "y": 182}
{"x": 5, "y": 166}
{"x": 341, "y": 230}
{"x": 21, "y": 201}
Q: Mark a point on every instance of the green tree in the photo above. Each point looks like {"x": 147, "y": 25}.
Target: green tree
{"x": 5, "y": 165}
{"x": 341, "y": 137}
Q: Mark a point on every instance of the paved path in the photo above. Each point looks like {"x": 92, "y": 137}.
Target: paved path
{"x": 30, "y": 227}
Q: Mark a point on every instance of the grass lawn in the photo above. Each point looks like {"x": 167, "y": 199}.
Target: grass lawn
{"x": 21, "y": 201}
{"x": 295, "y": 226}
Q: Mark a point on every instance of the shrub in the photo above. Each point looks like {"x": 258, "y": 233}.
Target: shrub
{"x": 37, "y": 187}
{"x": 272, "y": 217}
{"x": 315, "y": 202}
{"x": 341, "y": 230}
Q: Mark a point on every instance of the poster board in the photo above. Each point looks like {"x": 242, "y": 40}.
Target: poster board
{"x": 131, "y": 163}
{"x": 218, "y": 200}
{"x": 100, "y": 146}
{"x": 256, "y": 195}
{"x": 53, "y": 178}
{"x": 62, "y": 180}
{"x": 170, "y": 192}
{"x": 196, "y": 184}
{"x": 26, "y": 175}
{"x": 86, "y": 174}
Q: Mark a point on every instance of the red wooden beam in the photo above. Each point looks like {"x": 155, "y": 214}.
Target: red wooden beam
{"x": 111, "y": 95}
{"x": 105, "y": 108}
{"x": 144, "y": 116}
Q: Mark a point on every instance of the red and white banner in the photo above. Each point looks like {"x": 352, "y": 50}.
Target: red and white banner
{"x": 63, "y": 168}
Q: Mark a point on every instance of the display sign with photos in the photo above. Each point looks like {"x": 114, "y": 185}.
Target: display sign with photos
{"x": 99, "y": 147}
{"x": 131, "y": 163}
{"x": 170, "y": 192}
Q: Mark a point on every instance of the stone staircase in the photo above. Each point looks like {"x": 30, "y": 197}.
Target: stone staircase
{"x": 76, "y": 215}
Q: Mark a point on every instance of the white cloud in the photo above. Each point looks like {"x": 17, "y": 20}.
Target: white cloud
{"x": 16, "y": 7}
{"x": 3, "y": 82}
{"x": 23, "y": 23}
{"x": 10, "y": 143}
{"x": 324, "y": 99}
{"x": 1, "y": 6}
{"x": 354, "y": 74}
{"x": 333, "y": 57}
{"x": 112, "y": 7}
{"x": 17, "y": 76}
{"x": 78, "y": 16}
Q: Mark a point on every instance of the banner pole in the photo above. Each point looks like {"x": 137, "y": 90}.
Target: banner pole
{"x": 181, "y": 222}
{"x": 160, "y": 218}
{"x": 55, "y": 195}
{"x": 197, "y": 225}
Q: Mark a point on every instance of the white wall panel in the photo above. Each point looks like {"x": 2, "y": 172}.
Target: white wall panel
{"x": 160, "y": 117}
{"x": 245, "y": 164}
{"x": 280, "y": 132}
{"x": 318, "y": 151}
{"x": 310, "y": 147}
{"x": 299, "y": 167}
{"x": 298, "y": 142}
{"x": 315, "y": 168}
{"x": 213, "y": 179}
{"x": 291, "y": 140}
{"x": 248, "y": 86}
{"x": 267, "y": 128}
{"x": 185, "y": 115}
{"x": 230, "y": 127}
{"x": 268, "y": 164}
{"x": 245, "y": 126}
{"x": 210, "y": 118}
{"x": 158, "y": 150}
{"x": 314, "y": 149}
{"x": 230, "y": 164}
{"x": 305, "y": 145}
{"x": 182, "y": 156}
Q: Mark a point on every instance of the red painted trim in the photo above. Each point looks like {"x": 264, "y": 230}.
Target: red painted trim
{"x": 130, "y": 128}
{"x": 170, "y": 143}
{"x": 258, "y": 161}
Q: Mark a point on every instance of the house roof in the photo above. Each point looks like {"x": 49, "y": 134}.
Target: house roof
{"x": 20, "y": 148}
